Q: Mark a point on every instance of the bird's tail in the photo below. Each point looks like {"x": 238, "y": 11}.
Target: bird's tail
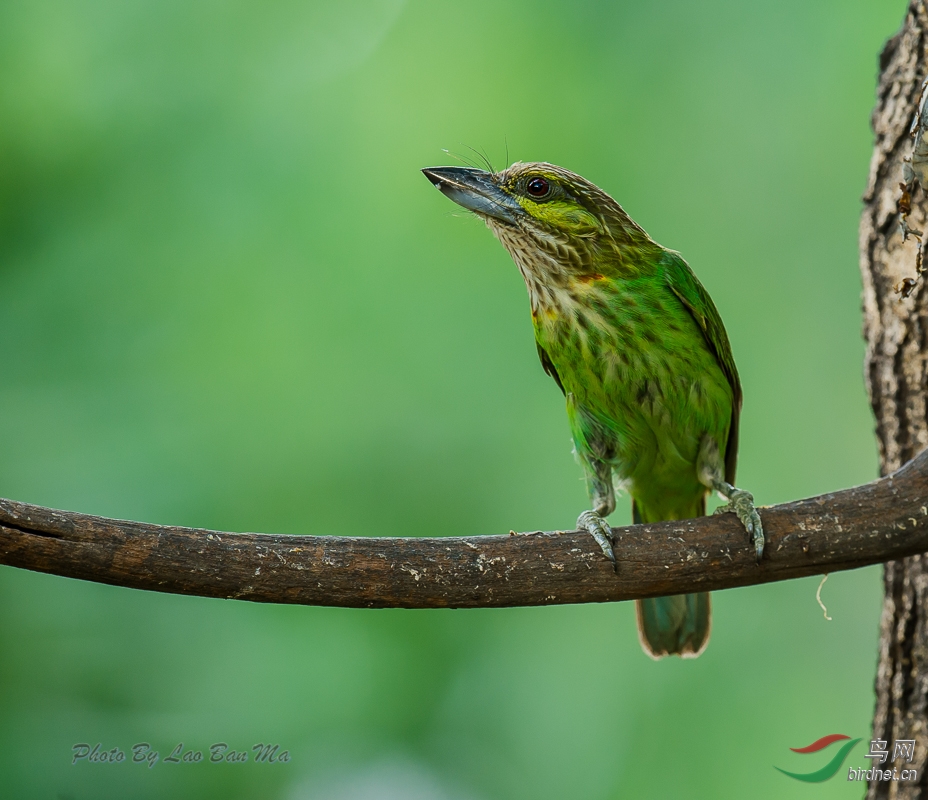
{"x": 676, "y": 625}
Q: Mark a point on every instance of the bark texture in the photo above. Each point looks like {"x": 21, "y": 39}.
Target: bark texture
{"x": 842, "y": 530}
{"x": 896, "y": 330}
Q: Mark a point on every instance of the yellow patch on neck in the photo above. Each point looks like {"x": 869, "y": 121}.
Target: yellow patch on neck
{"x": 563, "y": 216}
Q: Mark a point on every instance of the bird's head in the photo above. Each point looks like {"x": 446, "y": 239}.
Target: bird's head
{"x": 543, "y": 208}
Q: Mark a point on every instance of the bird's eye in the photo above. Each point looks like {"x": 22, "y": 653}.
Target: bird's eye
{"x": 537, "y": 187}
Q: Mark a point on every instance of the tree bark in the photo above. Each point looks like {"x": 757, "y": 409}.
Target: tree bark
{"x": 835, "y": 531}
{"x": 896, "y": 329}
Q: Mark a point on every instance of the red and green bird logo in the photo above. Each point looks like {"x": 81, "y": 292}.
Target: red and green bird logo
{"x": 831, "y": 768}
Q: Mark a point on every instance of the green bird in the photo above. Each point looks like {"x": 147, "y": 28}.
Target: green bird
{"x": 637, "y": 346}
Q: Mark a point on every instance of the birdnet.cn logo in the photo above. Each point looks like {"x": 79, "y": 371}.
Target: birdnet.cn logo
{"x": 902, "y": 752}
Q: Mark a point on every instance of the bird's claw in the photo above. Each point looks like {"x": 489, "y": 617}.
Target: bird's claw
{"x": 741, "y": 503}
{"x": 599, "y": 529}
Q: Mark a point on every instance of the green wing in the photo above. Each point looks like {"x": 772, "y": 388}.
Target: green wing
{"x": 684, "y": 284}
{"x": 548, "y": 366}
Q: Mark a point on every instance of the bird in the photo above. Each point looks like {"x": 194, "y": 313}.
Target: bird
{"x": 640, "y": 353}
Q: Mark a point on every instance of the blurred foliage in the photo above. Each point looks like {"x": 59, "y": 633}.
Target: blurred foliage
{"x": 229, "y": 299}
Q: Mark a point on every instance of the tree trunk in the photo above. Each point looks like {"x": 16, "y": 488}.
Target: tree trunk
{"x": 896, "y": 330}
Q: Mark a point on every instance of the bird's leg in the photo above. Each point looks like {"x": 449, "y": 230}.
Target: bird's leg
{"x": 603, "y": 496}
{"x": 740, "y": 502}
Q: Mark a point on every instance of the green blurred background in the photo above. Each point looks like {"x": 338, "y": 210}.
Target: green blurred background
{"x": 229, "y": 299}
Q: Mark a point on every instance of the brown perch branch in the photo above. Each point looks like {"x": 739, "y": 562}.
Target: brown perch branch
{"x": 883, "y": 520}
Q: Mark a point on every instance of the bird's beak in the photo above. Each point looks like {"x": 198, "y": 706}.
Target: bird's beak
{"x": 476, "y": 191}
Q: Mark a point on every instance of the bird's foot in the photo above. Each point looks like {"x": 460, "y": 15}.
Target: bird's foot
{"x": 599, "y": 529}
{"x": 741, "y": 503}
